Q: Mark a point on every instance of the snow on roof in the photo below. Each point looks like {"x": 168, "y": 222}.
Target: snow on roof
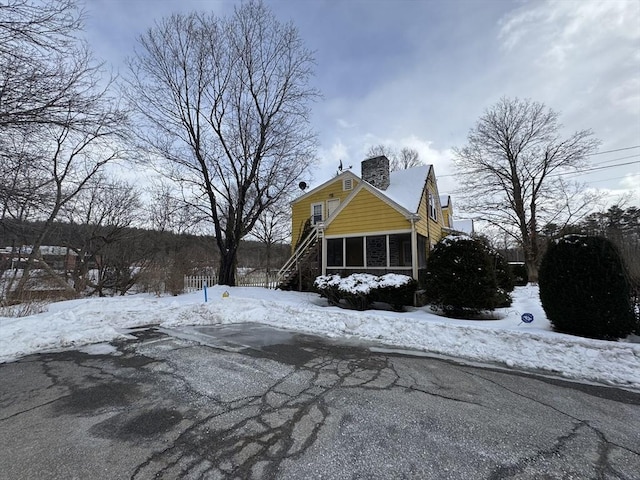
{"x": 444, "y": 201}
{"x": 405, "y": 187}
{"x": 465, "y": 226}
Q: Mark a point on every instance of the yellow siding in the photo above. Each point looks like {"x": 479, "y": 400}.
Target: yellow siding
{"x": 367, "y": 213}
{"x": 446, "y": 215}
{"x": 301, "y": 210}
{"x": 426, "y": 226}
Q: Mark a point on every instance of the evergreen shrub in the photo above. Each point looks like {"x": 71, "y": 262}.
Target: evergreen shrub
{"x": 584, "y": 288}
{"x": 519, "y": 274}
{"x": 461, "y": 277}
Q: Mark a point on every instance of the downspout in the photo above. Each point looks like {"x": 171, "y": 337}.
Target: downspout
{"x": 414, "y": 249}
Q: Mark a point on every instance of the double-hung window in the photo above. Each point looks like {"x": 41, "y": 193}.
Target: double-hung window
{"x": 316, "y": 213}
{"x": 433, "y": 207}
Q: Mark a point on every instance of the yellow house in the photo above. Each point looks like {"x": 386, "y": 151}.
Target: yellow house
{"x": 382, "y": 222}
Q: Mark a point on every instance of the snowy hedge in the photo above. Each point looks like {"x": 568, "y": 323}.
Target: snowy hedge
{"x": 360, "y": 290}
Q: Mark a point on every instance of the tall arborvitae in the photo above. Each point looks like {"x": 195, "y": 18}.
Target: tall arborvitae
{"x": 584, "y": 288}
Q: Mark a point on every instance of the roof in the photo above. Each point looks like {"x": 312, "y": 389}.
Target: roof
{"x": 444, "y": 200}
{"x": 464, "y": 226}
{"x": 406, "y": 186}
{"x": 404, "y": 190}
{"x": 341, "y": 176}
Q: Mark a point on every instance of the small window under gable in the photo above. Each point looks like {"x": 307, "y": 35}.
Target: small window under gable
{"x": 433, "y": 207}
{"x": 347, "y": 184}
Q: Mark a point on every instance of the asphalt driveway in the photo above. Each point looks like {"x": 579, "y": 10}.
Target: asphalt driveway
{"x": 248, "y": 401}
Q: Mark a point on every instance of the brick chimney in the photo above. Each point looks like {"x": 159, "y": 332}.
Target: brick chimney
{"x": 376, "y": 171}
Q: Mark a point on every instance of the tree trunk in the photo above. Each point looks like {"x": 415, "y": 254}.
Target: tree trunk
{"x": 227, "y": 270}
{"x": 532, "y": 269}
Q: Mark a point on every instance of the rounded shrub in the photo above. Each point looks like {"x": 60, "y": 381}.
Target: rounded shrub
{"x": 461, "y": 277}
{"x": 584, "y": 288}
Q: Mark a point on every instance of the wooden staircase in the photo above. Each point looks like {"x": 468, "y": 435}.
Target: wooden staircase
{"x": 305, "y": 252}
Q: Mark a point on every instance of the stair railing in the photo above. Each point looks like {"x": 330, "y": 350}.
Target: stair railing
{"x": 299, "y": 252}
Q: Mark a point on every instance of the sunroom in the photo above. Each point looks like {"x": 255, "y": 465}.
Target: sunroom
{"x": 378, "y": 253}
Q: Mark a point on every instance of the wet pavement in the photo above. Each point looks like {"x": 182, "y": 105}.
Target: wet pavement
{"x": 247, "y": 401}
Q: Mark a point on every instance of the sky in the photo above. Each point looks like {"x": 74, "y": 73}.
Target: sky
{"x": 419, "y": 73}
{"x": 504, "y": 341}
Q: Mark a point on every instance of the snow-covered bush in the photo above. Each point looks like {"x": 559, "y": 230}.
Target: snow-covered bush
{"x": 396, "y": 290}
{"x": 584, "y": 288}
{"x": 360, "y": 290}
{"x": 328, "y": 285}
{"x": 461, "y": 277}
{"x": 356, "y": 290}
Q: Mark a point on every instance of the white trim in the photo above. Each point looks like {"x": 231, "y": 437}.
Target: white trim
{"x": 413, "y": 240}
{"x": 323, "y": 267}
{"x": 347, "y": 184}
{"x": 414, "y": 250}
{"x": 432, "y": 206}
{"x": 371, "y": 234}
{"x": 344, "y": 174}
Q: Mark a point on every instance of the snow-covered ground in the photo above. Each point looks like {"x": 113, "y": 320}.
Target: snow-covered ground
{"x": 506, "y": 341}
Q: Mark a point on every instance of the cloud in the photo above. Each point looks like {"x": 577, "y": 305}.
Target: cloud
{"x": 631, "y": 182}
{"x": 559, "y": 30}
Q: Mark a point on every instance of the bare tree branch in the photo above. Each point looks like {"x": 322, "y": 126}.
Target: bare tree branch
{"x": 509, "y": 172}
{"x": 226, "y": 102}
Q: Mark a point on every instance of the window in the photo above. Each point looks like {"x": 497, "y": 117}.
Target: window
{"x": 433, "y": 207}
{"x": 355, "y": 251}
{"x": 400, "y": 250}
{"x": 347, "y": 184}
{"x": 377, "y": 251}
{"x": 316, "y": 213}
{"x": 334, "y": 252}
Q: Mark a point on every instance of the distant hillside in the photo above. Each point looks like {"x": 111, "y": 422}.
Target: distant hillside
{"x": 137, "y": 243}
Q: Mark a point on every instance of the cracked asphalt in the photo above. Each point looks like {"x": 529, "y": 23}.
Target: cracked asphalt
{"x": 250, "y": 402}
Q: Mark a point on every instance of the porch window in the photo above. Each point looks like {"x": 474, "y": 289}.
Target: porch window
{"x": 400, "y": 250}
{"x": 334, "y": 252}
{"x": 354, "y": 251}
{"x": 377, "y": 251}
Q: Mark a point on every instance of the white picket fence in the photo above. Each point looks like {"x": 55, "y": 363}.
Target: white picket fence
{"x": 194, "y": 283}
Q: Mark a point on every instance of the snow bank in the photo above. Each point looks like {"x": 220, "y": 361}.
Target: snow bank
{"x": 506, "y": 341}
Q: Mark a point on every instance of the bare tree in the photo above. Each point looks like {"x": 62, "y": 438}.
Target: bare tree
{"x": 102, "y": 214}
{"x": 226, "y": 102}
{"x": 510, "y": 172}
{"x": 168, "y": 210}
{"x": 406, "y": 158}
{"x": 273, "y": 227}
{"x": 72, "y": 155}
{"x": 59, "y": 125}
{"x": 38, "y": 66}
